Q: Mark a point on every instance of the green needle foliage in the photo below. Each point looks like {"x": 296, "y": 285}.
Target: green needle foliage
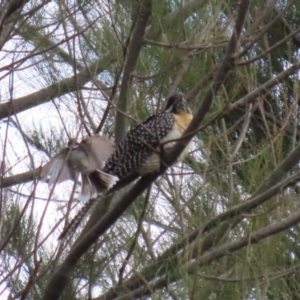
{"x": 222, "y": 224}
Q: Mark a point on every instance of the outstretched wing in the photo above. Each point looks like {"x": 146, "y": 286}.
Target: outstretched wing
{"x": 57, "y": 169}
{"x": 98, "y": 149}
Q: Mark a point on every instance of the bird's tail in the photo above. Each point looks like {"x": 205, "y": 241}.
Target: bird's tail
{"x": 72, "y": 226}
{"x": 95, "y": 183}
{"x": 102, "y": 181}
{"x": 92, "y": 185}
{"x": 107, "y": 179}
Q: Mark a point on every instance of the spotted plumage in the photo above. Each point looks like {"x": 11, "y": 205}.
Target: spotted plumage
{"x": 138, "y": 145}
{"x": 140, "y": 152}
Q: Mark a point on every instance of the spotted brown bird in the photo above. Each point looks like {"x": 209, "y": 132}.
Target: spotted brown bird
{"x": 140, "y": 152}
{"x": 86, "y": 158}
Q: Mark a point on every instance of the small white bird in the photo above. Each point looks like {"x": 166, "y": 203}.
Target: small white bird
{"x": 85, "y": 158}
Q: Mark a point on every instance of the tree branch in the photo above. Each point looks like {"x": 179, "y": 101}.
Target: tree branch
{"x": 222, "y": 72}
{"x": 55, "y": 90}
{"x": 143, "y": 289}
{"x": 20, "y": 178}
{"x": 135, "y": 47}
{"x": 61, "y": 276}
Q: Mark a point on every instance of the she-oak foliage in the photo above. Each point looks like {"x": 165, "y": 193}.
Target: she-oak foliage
{"x": 223, "y": 224}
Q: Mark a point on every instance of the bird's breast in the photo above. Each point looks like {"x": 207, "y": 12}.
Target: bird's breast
{"x": 182, "y": 121}
{"x": 79, "y": 161}
{"x": 154, "y": 161}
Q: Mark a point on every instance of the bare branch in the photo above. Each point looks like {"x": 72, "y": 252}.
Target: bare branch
{"x": 226, "y": 66}
{"x": 58, "y": 89}
{"x": 20, "y": 178}
{"x": 135, "y": 47}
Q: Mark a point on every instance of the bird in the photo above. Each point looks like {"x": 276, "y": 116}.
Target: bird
{"x": 85, "y": 158}
{"x": 141, "y": 150}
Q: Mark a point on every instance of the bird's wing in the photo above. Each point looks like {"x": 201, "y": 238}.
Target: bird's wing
{"x": 57, "y": 169}
{"x": 140, "y": 142}
{"x": 100, "y": 148}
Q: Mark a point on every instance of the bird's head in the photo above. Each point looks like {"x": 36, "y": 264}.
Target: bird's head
{"x": 72, "y": 144}
{"x": 177, "y": 104}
